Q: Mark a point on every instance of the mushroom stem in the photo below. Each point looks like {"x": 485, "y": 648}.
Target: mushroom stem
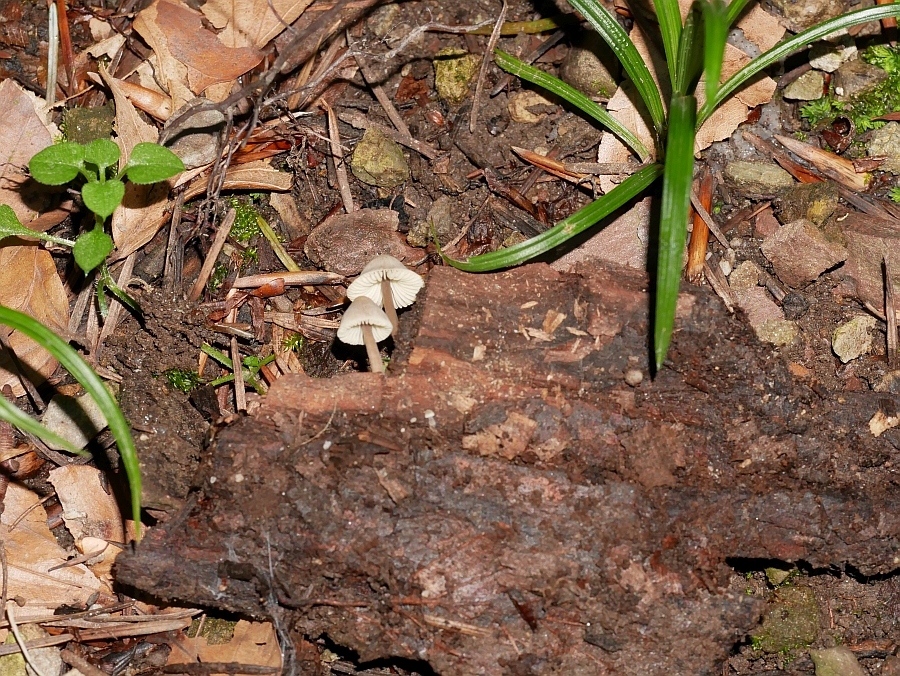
{"x": 388, "y": 301}
{"x": 375, "y": 363}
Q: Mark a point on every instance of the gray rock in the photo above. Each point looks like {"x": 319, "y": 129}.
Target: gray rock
{"x": 886, "y": 141}
{"x": 813, "y": 201}
{"x": 852, "y": 339}
{"x": 758, "y": 178}
{"x": 197, "y": 141}
{"x": 839, "y": 661}
{"x": 800, "y": 252}
{"x": 378, "y": 160}
{"x": 371, "y": 231}
{"x": 855, "y": 78}
{"x": 76, "y": 419}
{"x": 591, "y": 67}
{"x": 868, "y": 240}
{"x": 808, "y": 87}
{"x": 802, "y": 14}
{"x": 441, "y": 216}
{"x": 829, "y": 56}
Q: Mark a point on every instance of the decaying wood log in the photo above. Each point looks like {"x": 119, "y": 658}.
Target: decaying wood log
{"x": 505, "y": 502}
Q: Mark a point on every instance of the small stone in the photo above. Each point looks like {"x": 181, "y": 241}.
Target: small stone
{"x": 855, "y": 78}
{"x": 197, "y": 143}
{"x": 522, "y": 103}
{"x": 777, "y": 331}
{"x": 383, "y": 19}
{"x": 852, "y": 339}
{"x": 802, "y": 14}
{"x": 839, "y": 661}
{"x": 829, "y": 56}
{"x": 76, "y": 419}
{"x": 634, "y": 377}
{"x": 794, "y": 305}
{"x": 372, "y": 232}
{"x": 744, "y": 276}
{"x": 777, "y": 576}
{"x": 800, "y": 252}
{"x": 758, "y": 178}
{"x": 869, "y": 239}
{"x": 890, "y": 382}
{"x": 886, "y": 141}
{"x": 758, "y": 305}
{"x": 813, "y": 201}
{"x": 441, "y": 216}
{"x": 590, "y": 67}
{"x": 808, "y": 87}
{"x": 725, "y": 267}
{"x": 378, "y": 160}
{"x": 454, "y": 69}
{"x": 765, "y": 224}
{"x": 791, "y": 620}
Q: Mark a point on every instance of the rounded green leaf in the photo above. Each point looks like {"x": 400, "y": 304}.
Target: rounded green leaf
{"x": 103, "y": 198}
{"x": 57, "y": 164}
{"x": 102, "y": 153}
{"x": 10, "y": 224}
{"x": 92, "y": 248}
{"x": 150, "y": 163}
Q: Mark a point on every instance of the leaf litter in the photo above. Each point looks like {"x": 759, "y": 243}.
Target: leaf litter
{"x": 215, "y": 52}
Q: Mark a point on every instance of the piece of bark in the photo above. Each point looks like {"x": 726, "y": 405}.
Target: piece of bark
{"x": 503, "y": 502}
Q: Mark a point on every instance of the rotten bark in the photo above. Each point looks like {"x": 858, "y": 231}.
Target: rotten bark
{"x": 505, "y": 503}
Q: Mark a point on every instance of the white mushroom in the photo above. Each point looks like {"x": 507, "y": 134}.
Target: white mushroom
{"x": 364, "y": 323}
{"x": 388, "y": 283}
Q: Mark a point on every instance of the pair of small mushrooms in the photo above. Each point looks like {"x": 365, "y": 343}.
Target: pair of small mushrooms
{"x": 384, "y": 282}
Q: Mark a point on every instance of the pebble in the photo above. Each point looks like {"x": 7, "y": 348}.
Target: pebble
{"x": 76, "y": 419}
{"x": 634, "y": 377}
{"x": 590, "y": 67}
{"x": 758, "y": 178}
{"x": 819, "y": 253}
{"x": 852, "y": 339}
{"x": 196, "y": 145}
{"x": 378, "y": 160}
{"x": 807, "y": 87}
{"x": 520, "y": 103}
{"x": 886, "y": 141}
{"x": 828, "y": 57}
{"x": 454, "y": 69}
{"x": 838, "y": 661}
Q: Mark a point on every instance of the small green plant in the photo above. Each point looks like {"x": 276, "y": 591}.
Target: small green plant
{"x": 245, "y": 221}
{"x": 102, "y": 191}
{"x": 294, "y": 341}
{"x": 84, "y": 374}
{"x": 184, "y": 380}
{"x": 251, "y": 366}
{"x": 219, "y": 273}
{"x": 823, "y": 110}
{"x": 885, "y": 57}
{"x": 894, "y": 194}
{"x": 692, "y": 47}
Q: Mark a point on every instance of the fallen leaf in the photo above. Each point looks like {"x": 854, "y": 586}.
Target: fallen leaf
{"x": 250, "y": 176}
{"x": 176, "y": 31}
{"x": 31, "y": 550}
{"x": 252, "y": 23}
{"x": 833, "y": 166}
{"x": 29, "y": 283}
{"x": 252, "y": 643}
{"x": 24, "y": 132}
{"x": 142, "y": 212}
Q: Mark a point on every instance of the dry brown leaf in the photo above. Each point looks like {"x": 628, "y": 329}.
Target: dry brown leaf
{"x": 251, "y": 176}
{"x": 761, "y": 28}
{"x": 252, "y": 643}
{"x": 252, "y": 23}
{"x": 141, "y": 213}
{"x": 89, "y": 511}
{"x": 23, "y": 132}
{"x": 29, "y": 283}
{"x": 31, "y": 550}
{"x": 201, "y": 59}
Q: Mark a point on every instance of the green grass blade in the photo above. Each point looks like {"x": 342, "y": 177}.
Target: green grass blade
{"x": 669, "y": 16}
{"x": 91, "y": 382}
{"x": 16, "y": 416}
{"x": 573, "y": 96}
{"x": 715, "y": 27}
{"x": 676, "y": 198}
{"x": 690, "y": 54}
{"x": 633, "y": 63}
{"x": 792, "y": 44}
{"x": 735, "y": 7}
{"x": 565, "y": 229}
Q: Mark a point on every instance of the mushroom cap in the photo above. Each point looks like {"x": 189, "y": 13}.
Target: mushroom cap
{"x": 363, "y": 311}
{"x": 405, "y": 283}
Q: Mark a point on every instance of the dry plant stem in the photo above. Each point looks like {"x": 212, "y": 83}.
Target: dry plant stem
{"x": 210, "y": 262}
{"x": 710, "y": 223}
{"x": 720, "y": 285}
{"x": 382, "y": 98}
{"x": 81, "y": 303}
{"x": 890, "y": 312}
{"x": 331, "y": 59}
{"x": 359, "y": 121}
{"x": 3, "y": 562}
{"x": 52, "y": 53}
{"x": 240, "y": 393}
{"x": 700, "y": 232}
{"x": 15, "y": 630}
{"x": 116, "y": 309}
{"x": 65, "y": 43}
{"x": 387, "y": 299}
{"x": 375, "y": 363}
{"x": 216, "y": 668}
{"x": 172, "y": 268}
{"x": 80, "y": 663}
{"x": 485, "y": 62}
{"x": 340, "y": 168}
{"x": 296, "y": 278}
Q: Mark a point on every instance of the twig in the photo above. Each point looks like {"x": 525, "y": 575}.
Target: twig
{"x": 340, "y": 169}
{"x": 237, "y": 366}
{"x": 194, "y": 669}
{"x": 890, "y": 312}
{"x": 710, "y": 223}
{"x": 382, "y": 97}
{"x": 115, "y": 312}
{"x": 52, "y": 53}
{"x": 173, "y": 264}
{"x": 700, "y": 232}
{"x": 3, "y": 562}
{"x": 485, "y": 63}
{"x": 297, "y": 278}
{"x": 15, "y": 630}
{"x": 80, "y": 663}
{"x": 720, "y": 285}
{"x": 215, "y": 249}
